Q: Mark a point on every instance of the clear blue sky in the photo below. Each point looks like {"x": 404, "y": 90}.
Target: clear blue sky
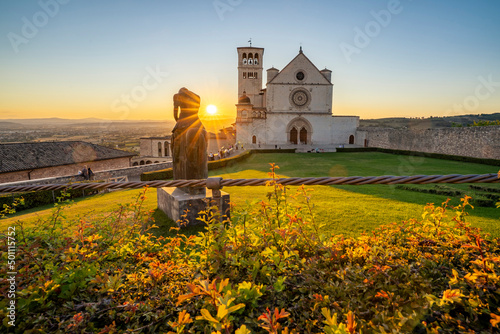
{"x": 76, "y": 58}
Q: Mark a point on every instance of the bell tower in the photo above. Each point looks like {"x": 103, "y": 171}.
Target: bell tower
{"x": 250, "y": 74}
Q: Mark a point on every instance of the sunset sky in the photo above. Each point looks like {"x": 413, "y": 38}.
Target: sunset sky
{"x": 125, "y": 59}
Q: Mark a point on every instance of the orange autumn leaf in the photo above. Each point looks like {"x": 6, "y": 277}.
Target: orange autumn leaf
{"x": 495, "y": 319}
{"x": 351, "y": 323}
{"x": 382, "y": 294}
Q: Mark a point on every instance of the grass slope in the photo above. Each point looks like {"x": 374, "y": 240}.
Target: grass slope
{"x": 348, "y": 210}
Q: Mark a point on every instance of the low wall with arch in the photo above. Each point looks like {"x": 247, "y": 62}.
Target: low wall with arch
{"x": 477, "y": 141}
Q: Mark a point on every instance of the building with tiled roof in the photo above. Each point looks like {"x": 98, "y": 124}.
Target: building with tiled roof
{"x": 28, "y": 161}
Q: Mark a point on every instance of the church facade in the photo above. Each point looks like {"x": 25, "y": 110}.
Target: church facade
{"x": 293, "y": 110}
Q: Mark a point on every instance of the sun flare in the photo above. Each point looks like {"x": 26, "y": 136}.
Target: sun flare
{"x": 211, "y": 109}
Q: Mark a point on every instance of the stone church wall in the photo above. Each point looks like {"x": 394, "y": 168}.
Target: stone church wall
{"x": 343, "y": 127}
{"x": 477, "y": 142}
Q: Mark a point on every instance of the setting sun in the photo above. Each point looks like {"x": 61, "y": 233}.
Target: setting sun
{"x": 211, "y": 109}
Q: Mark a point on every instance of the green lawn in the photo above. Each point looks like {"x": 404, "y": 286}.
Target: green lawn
{"x": 348, "y": 210}
{"x": 351, "y": 210}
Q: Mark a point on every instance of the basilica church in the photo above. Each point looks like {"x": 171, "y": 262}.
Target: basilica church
{"x": 294, "y": 110}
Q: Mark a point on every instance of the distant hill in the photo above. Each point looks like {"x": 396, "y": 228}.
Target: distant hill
{"x": 72, "y": 122}
{"x": 10, "y": 125}
{"x": 216, "y": 123}
{"x": 427, "y": 123}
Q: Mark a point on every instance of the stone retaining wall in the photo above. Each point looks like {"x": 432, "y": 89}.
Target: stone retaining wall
{"x": 131, "y": 172}
{"x": 478, "y": 141}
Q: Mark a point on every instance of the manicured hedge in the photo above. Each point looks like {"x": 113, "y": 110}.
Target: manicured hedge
{"x": 212, "y": 165}
{"x": 493, "y": 162}
{"x": 483, "y": 188}
{"x": 483, "y": 200}
{"x": 36, "y": 198}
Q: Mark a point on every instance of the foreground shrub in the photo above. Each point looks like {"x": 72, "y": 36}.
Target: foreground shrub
{"x": 269, "y": 270}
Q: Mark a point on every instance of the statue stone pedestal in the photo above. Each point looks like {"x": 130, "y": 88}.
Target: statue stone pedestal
{"x": 190, "y": 162}
{"x": 184, "y": 208}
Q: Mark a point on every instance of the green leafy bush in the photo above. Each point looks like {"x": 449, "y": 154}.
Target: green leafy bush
{"x": 269, "y": 270}
{"x": 485, "y": 123}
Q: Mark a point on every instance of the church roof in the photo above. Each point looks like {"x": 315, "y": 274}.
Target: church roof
{"x": 26, "y": 156}
{"x": 300, "y": 55}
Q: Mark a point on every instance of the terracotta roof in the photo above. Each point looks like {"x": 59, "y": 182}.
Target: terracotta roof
{"x": 25, "y": 156}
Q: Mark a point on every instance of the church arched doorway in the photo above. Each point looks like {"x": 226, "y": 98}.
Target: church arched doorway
{"x": 299, "y": 131}
{"x": 293, "y": 136}
{"x": 351, "y": 139}
{"x": 254, "y": 140}
{"x": 303, "y": 136}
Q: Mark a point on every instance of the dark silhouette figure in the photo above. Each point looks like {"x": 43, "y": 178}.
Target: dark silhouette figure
{"x": 189, "y": 141}
{"x": 85, "y": 173}
{"x": 91, "y": 174}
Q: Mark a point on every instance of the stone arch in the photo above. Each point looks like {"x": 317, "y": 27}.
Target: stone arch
{"x": 299, "y": 130}
{"x": 142, "y": 162}
{"x": 159, "y": 149}
{"x": 148, "y": 162}
{"x": 254, "y": 139}
{"x": 351, "y": 139}
{"x": 135, "y": 164}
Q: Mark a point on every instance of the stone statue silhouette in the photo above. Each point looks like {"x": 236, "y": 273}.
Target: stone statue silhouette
{"x": 189, "y": 141}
